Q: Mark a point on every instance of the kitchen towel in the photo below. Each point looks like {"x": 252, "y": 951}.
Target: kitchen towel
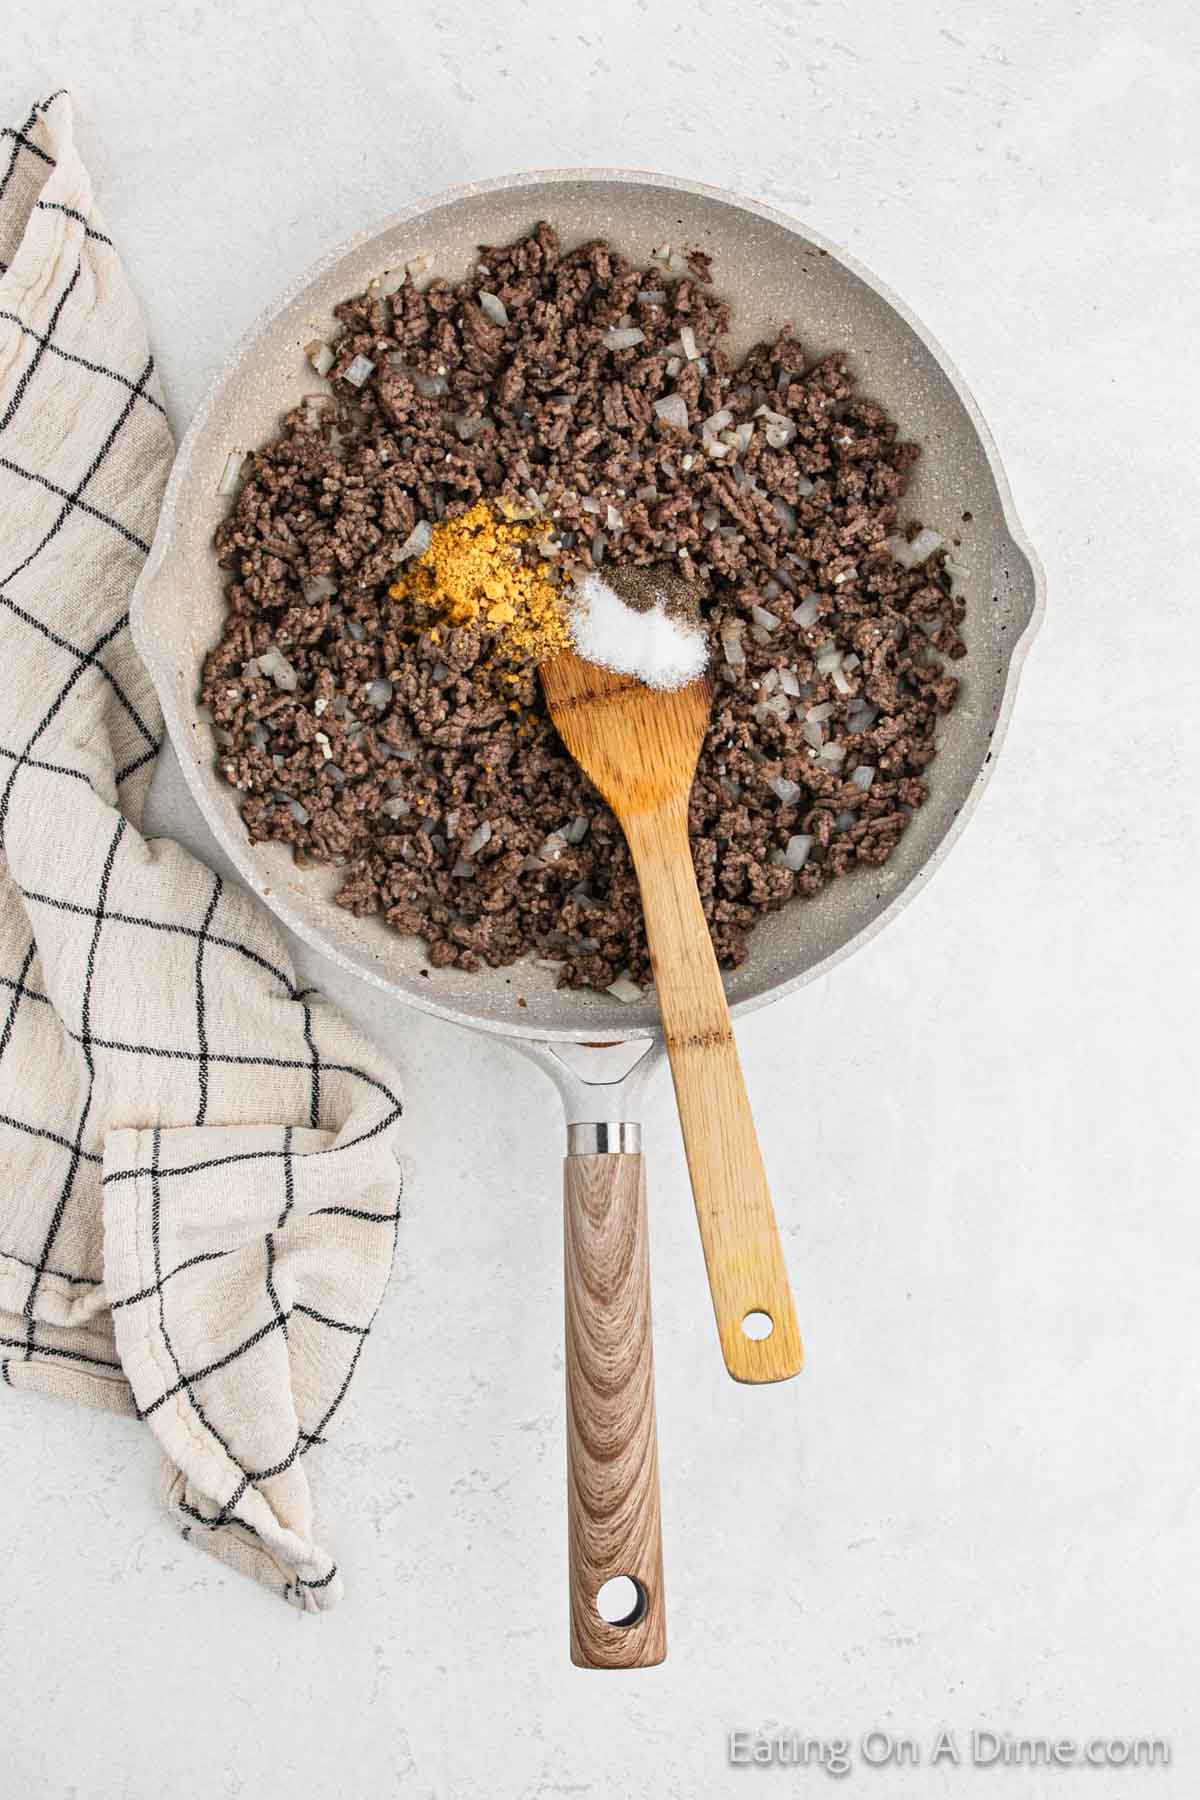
{"x": 199, "y": 1191}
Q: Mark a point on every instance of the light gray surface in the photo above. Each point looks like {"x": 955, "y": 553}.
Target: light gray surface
{"x": 773, "y": 275}
{"x": 978, "y": 1503}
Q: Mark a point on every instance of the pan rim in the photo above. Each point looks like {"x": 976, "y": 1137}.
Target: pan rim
{"x": 141, "y": 611}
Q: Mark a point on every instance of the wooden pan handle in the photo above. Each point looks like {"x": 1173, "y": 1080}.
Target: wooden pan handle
{"x": 612, "y": 1443}
{"x": 746, "y": 1271}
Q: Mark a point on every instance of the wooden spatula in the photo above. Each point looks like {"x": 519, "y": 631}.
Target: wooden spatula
{"x": 639, "y": 747}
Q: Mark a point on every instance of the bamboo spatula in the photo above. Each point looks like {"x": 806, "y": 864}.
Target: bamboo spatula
{"x": 639, "y": 747}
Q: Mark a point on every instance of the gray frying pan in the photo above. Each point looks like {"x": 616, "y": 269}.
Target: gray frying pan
{"x": 598, "y": 1050}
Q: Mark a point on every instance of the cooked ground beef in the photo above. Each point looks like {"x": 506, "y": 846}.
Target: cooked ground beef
{"x": 383, "y": 745}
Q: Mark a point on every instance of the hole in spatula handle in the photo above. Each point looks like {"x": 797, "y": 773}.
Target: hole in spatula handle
{"x": 622, "y": 1601}
{"x": 758, "y": 1325}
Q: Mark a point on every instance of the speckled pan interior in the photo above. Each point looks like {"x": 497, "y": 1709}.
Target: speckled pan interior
{"x": 772, "y": 271}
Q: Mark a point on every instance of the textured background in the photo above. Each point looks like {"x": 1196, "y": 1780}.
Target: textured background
{"x": 978, "y": 1505}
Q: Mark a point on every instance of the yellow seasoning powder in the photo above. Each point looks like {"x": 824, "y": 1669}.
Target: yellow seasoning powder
{"x": 473, "y": 574}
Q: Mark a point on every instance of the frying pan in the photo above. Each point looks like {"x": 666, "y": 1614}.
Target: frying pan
{"x": 598, "y": 1050}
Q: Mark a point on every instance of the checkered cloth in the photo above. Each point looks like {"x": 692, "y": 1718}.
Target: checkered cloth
{"x": 200, "y": 1190}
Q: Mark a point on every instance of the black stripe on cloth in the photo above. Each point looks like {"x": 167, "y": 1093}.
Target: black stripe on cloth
{"x": 201, "y": 1256}
{"x": 28, "y": 373}
{"x": 82, "y": 362}
{"x": 51, "y": 1274}
{"x": 80, "y": 219}
{"x": 77, "y": 1151}
{"x": 97, "y": 1362}
{"x": 323, "y": 1582}
{"x": 310, "y": 1312}
{"x": 30, "y": 993}
{"x": 19, "y": 993}
{"x": 21, "y": 142}
{"x": 168, "y": 925}
{"x": 90, "y": 659}
{"x": 247, "y": 1156}
{"x": 73, "y": 503}
{"x": 201, "y": 1030}
{"x": 50, "y": 714}
{"x": 186, "y": 1382}
{"x": 314, "y": 1100}
{"x": 51, "y": 1137}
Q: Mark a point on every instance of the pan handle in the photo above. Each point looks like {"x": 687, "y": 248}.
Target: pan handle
{"x": 613, "y": 1524}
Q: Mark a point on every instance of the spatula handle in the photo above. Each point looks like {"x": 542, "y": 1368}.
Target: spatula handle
{"x": 612, "y": 1440}
{"x": 746, "y": 1270}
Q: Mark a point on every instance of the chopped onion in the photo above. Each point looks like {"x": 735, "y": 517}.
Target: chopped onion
{"x": 861, "y": 716}
{"x": 553, "y": 847}
{"x": 731, "y": 644}
{"x": 805, "y": 487}
{"x": 274, "y": 663}
{"x": 716, "y": 422}
{"x": 779, "y": 428}
{"x": 478, "y": 838}
{"x": 821, "y": 712}
{"x": 840, "y": 682}
{"x": 623, "y": 988}
{"x": 828, "y": 661}
{"x": 588, "y": 505}
{"x": 318, "y": 587}
{"x": 359, "y": 371}
{"x": 921, "y": 548}
{"x": 710, "y": 518}
{"x": 849, "y": 574}
{"x": 766, "y": 619}
{"x": 863, "y": 776}
{"x": 788, "y": 791}
{"x": 494, "y": 307}
{"x": 417, "y": 541}
{"x": 777, "y": 707}
{"x": 814, "y": 735}
{"x": 463, "y": 869}
{"x": 832, "y": 753}
{"x": 379, "y": 694}
{"x": 428, "y": 386}
{"x": 397, "y": 807}
{"x": 806, "y": 613}
{"x": 231, "y": 474}
{"x": 770, "y": 681}
{"x": 785, "y": 513}
{"x": 796, "y": 854}
{"x": 320, "y": 356}
{"x": 614, "y": 520}
{"x": 299, "y": 812}
{"x": 599, "y": 546}
{"x": 469, "y": 425}
{"x": 577, "y": 830}
{"x": 356, "y": 630}
{"x": 789, "y": 682}
{"x": 652, "y": 296}
{"x": 687, "y": 338}
{"x": 672, "y": 410}
{"x": 674, "y": 364}
{"x": 622, "y": 337}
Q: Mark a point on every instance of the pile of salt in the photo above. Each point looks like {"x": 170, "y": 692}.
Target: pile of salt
{"x": 661, "y": 648}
